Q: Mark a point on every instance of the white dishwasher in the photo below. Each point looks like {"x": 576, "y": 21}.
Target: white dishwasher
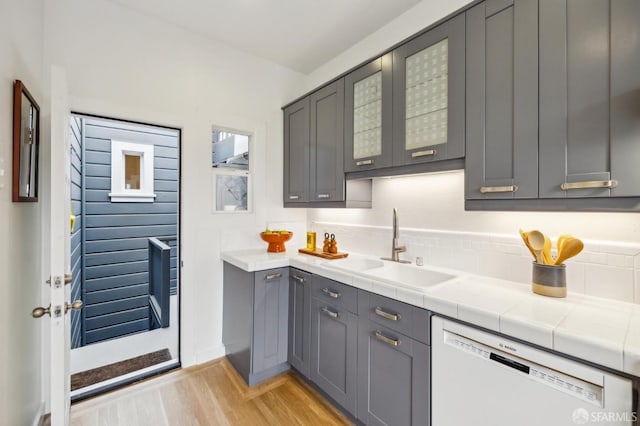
{"x": 479, "y": 378}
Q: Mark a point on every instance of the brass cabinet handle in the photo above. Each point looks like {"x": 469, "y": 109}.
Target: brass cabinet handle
{"x": 391, "y": 317}
{"x": 364, "y": 163}
{"x": 423, "y": 153}
{"x": 40, "y": 311}
{"x": 68, "y": 278}
{"x": 389, "y": 341}
{"x": 589, "y": 184}
{"x": 329, "y": 312}
{"x": 330, "y": 293}
{"x": 272, "y": 277}
{"x": 508, "y": 188}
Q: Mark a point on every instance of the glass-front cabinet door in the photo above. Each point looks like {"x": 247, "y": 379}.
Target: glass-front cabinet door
{"x": 368, "y": 120}
{"x": 429, "y": 95}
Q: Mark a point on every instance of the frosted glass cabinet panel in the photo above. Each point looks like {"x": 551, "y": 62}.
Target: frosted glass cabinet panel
{"x": 368, "y": 116}
{"x": 428, "y": 95}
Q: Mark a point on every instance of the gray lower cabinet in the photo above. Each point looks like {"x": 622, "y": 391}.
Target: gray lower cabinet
{"x": 502, "y": 100}
{"x": 589, "y": 97}
{"x": 393, "y": 377}
{"x": 299, "y": 351}
{"x": 255, "y": 318}
{"x": 334, "y": 352}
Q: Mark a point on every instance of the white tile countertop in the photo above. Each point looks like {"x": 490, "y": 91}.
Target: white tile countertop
{"x": 598, "y": 330}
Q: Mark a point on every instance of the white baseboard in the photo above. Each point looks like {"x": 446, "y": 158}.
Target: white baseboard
{"x": 209, "y": 355}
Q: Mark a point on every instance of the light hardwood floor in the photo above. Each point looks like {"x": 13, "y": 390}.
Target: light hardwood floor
{"x": 209, "y": 394}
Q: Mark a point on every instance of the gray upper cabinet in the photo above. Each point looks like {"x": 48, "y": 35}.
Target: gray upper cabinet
{"x": 296, "y": 152}
{"x": 313, "y": 148}
{"x": 368, "y": 138}
{"x": 429, "y": 95}
{"x": 589, "y": 98}
{"x": 299, "y": 320}
{"x": 326, "y": 179}
{"x": 502, "y": 100}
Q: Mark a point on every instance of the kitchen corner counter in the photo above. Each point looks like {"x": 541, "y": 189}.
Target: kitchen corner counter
{"x": 601, "y": 331}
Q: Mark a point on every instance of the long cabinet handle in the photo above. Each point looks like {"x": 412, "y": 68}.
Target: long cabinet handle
{"x": 387, "y": 315}
{"x": 389, "y": 341}
{"x": 507, "y": 188}
{"x": 294, "y": 197}
{"x": 272, "y": 277}
{"x": 566, "y": 186}
{"x": 333, "y": 294}
{"x": 426, "y": 153}
{"x": 329, "y": 312}
{"x": 324, "y": 196}
{"x": 364, "y": 163}
{"x": 297, "y": 278}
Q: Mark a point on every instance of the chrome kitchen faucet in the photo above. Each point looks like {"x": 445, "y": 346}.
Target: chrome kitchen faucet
{"x": 395, "y": 248}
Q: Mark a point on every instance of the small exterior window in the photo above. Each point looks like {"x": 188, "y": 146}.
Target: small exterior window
{"x": 231, "y": 166}
{"x": 131, "y": 173}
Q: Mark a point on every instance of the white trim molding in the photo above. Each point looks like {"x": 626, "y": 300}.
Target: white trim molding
{"x": 119, "y": 193}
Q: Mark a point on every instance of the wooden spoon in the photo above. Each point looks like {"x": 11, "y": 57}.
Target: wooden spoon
{"x": 546, "y": 251}
{"x": 570, "y": 247}
{"x": 536, "y": 240}
{"x": 525, "y": 238}
{"x": 561, "y": 239}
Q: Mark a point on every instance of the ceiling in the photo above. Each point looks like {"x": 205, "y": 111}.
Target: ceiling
{"x": 298, "y": 34}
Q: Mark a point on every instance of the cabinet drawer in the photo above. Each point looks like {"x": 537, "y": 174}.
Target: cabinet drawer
{"x": 335, "y": 293}
{"x": 401, "y": 317}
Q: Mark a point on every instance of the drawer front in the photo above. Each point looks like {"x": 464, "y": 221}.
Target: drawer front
{"x": 401, "y": 317}
{"x": 334, "y": 293}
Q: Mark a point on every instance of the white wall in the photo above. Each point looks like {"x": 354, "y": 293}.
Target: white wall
{"x": 412, "y": 21}
{"x": 124, "y": 65}
{"x": 20, "y": 284}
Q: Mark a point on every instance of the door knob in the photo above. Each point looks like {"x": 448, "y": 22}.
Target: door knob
{"x": 40, "y": 311}
{"x": 76, "y": 306}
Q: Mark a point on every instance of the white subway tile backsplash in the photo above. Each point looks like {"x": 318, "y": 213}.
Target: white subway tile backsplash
{"x": 609, "y": 282}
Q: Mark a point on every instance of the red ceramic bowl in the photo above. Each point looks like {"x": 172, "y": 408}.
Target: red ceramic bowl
{"x": 276, "y": 241}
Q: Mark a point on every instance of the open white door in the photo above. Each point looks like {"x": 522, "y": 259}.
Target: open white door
{"x": 59, "y": 249}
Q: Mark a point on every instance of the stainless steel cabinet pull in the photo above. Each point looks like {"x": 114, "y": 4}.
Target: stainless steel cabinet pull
{"x": 329, "y": 312}
{"x": 331, "y": 293}
{"x": 589, "y": 184}
{"x": 423, "y": 153}
{"x": 364, "y": 163}
{"x": 387, "y": 340}
{"x": 297, "y": 278}
{"x": 272, "y": 277}
{"x": 508, "y": 188}
{"x": 392, "y": 317}
{"x": 294, "y": 197}
{"x": 324, "y": 196}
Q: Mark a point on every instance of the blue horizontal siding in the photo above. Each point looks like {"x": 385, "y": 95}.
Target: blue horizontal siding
{"x": 116, "y": 234}
{"x": 75, "y": 142}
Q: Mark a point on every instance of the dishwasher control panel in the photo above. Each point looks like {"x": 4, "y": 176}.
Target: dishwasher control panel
{"x": 581, "y": 389}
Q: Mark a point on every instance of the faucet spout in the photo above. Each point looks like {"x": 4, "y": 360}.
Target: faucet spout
{"x": 396, "y": 249}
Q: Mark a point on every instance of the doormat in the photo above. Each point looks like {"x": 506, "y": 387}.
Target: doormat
{"x": 100, "y": 374}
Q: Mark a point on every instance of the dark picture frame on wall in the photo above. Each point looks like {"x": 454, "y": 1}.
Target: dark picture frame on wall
{"x": 26, "y": 144}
